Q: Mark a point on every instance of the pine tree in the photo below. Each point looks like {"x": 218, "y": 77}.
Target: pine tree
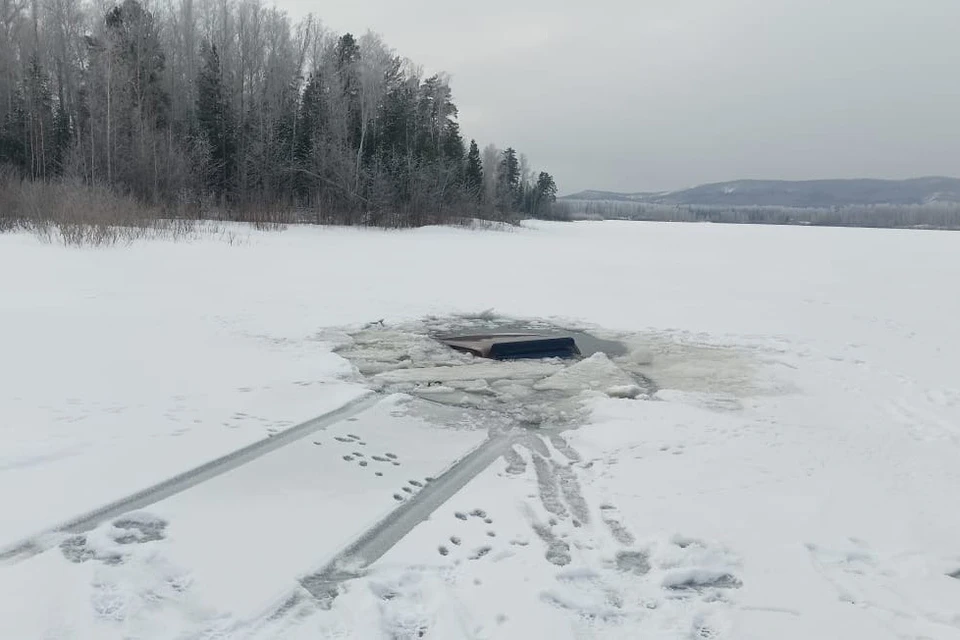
{"x": 313, "y": 121}
{"x": 63, "y": 134}
{"x": 508, "y": 182}
{"x": 28, "y": 136}
{"x": 398, "y": 152}
{"x": 453, "y": 151}
{"x": 132, "y": 63}
{"x": 214, "y": 120}
{"x": 473, "y": 174}
{"x": 311, "y": 117}
{"x": 543, "y": 195}
{"x": 13, "y": 150}
{"x": 142, "y": 60}
{"x": 546, "y": 188}
{"x": 348, "y": 56}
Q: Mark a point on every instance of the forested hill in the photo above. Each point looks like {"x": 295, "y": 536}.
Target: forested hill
{"x": 226, "y": 105}
{"x": 810, "y": 193}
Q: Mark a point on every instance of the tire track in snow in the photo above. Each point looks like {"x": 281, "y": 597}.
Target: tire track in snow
{"x": 40, "y": 542}
{"x": 572, "y": 494}
{"x": 516, "y": 465}
{"x": 548, "y": 486}
{"x": 561, "y": 445}
{"x": 371, "y": 545}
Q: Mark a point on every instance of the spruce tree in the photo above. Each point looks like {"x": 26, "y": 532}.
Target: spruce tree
{"x": 508, "y": 182}
{"x": 546, "y": 188}
{"x": 213, "y": 117}
{"x": 473, "y": 174}
{"x": 543, "y": 195}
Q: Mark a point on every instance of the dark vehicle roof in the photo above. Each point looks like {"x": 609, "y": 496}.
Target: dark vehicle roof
{"x": 513, "y": 346}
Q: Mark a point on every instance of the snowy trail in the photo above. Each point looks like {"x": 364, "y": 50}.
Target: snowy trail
{"x": 183, "y": 481}
{"x": 379, "y": 539}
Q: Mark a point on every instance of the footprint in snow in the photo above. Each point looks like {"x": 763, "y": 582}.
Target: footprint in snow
{"x": 683, "y": 542}
{"x": 75, "y": 550}
{"x": 139, "y": 528}
{"x": 636, "y": 562}
{"x": 612, "y": 519}
{"x": 703, "y": 581}
{"x": 481, "y": 552}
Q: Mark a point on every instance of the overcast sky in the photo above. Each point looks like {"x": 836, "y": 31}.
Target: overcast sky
{"x": 635, "y": 95}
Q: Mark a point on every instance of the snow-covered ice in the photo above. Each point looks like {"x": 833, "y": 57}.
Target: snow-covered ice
{"x": 792, "y": 473}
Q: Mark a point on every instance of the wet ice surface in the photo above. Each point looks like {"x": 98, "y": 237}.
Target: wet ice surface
{"x": 408, "y": 358}
{"x": 544, "y": 393}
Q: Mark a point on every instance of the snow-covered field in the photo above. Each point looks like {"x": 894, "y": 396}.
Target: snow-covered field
{"x": 795, "y": 475}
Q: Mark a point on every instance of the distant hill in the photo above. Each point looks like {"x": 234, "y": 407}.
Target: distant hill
{"x": 806, "y": 193}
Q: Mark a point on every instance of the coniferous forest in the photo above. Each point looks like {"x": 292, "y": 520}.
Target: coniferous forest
{"x": 226, "y": 108}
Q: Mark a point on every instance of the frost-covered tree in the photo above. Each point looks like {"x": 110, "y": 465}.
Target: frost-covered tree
{"x": 473, "y": 172}
{"x": 215, "y": 120}
{"x": 188, "y": 101}
{"x": 508, "y": 182}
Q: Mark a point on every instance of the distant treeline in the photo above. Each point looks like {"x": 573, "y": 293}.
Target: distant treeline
{"x": 224, "y": 108}
{"x": 937, "y": 215}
